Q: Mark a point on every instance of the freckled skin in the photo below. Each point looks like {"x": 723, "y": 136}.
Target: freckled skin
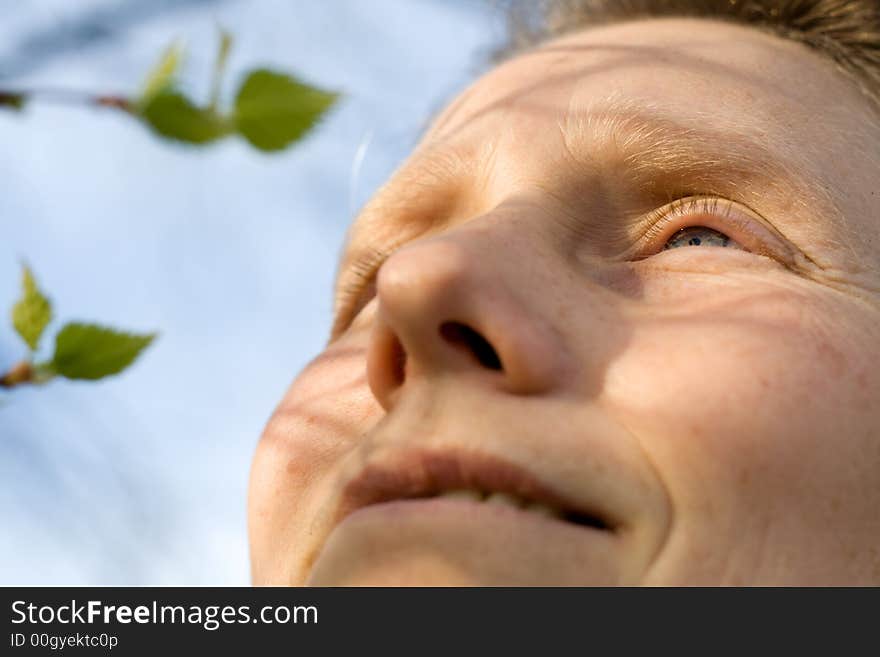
{"x": 735, "y": 396}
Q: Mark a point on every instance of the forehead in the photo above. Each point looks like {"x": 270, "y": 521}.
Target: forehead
{"x": 693, "y": 67}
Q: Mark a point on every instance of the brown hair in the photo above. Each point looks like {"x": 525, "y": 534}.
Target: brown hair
{"x": 846, "y": 31}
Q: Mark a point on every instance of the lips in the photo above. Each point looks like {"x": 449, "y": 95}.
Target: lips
{"x": 468, "y": 476}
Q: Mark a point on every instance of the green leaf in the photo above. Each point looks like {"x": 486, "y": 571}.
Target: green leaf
{"x": 32, "y": 312}
{"x": 274, "y": 110}
{"x": 87, "y": 351}
{"x": 162, "y": 75}
{"x": 223, "y": 51}
{"x": 12, "y": 100}
{"x": 173, "y": 115}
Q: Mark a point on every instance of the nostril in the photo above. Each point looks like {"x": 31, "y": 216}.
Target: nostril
{"x": 464, "y": 336}
{"x": 398, "y": 362}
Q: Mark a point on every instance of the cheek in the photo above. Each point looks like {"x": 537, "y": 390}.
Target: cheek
{"x": 757, "y": 414}
{"x": 325, "y": 411}
{"x": 734, "y": 370}
{"x": 720, "y": 396}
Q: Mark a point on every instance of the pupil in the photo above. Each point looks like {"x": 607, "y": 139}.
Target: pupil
{"x": 690, "y": 237}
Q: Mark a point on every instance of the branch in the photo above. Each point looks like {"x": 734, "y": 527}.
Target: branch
{"x": 17, "y": 98}
{"x": 20, "y": 373}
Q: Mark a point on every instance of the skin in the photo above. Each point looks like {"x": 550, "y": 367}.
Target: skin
{"x": 721, "y": 401}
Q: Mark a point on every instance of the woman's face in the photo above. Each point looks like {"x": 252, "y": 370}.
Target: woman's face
{"x": 548, "y": 382}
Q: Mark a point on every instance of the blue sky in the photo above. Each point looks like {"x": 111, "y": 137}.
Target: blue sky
{"x": 227, "y": 252}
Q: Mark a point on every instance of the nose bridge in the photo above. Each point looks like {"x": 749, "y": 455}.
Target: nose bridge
{"x": 464, "y": 302}
{"x": 465, "y": 268}
{"x": 435, "y": 275}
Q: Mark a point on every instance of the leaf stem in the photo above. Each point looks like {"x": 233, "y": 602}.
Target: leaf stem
{"x": 62, "y": 96}
{"x": 220, "y": 68}
{"x": 20, "y": 373}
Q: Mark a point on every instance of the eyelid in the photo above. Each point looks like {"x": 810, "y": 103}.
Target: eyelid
{"x": 742, "y": 224}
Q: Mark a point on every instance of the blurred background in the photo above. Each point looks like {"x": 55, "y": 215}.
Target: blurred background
{"x": 228, "y": 252}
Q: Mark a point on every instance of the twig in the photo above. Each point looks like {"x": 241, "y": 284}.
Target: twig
{"x": 65, "y": 97}
{"x": 20, "y": 373}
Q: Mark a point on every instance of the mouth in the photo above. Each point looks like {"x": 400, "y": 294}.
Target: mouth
{"x": 467, "y": 477}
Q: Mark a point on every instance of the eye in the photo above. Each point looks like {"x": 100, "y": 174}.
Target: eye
{"x": 705, "y": 221}
{"x": 700, "y": 236}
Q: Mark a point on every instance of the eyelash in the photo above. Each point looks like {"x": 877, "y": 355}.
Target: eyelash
{"x": 352, "y": 298}
{"x": 660, "y": 219}
{"x": 703, "y": 212}
{"x": 664, "y": 223}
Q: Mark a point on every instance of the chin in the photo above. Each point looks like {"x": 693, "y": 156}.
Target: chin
{"x": 397, "y": 571}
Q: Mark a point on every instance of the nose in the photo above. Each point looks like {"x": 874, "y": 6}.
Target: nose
{"x": 459, "y": 305}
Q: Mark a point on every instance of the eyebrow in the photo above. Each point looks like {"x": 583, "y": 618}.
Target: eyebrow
{"x": 663, "y": 157}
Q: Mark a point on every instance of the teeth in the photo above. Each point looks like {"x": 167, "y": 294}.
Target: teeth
{"x": 464, "y": 494}
{"x": 504, "y": 498}
{"x": 471, "y": 495}
{"x": 543, "y": 510}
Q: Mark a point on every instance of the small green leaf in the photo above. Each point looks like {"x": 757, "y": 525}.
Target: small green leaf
{"x": 12, "y": 100}
{"x": 274, "y": 110}
{"x": 223, "y": 51}
{"x": 173, "y": 115}
{"x": 161, "y": 77}
{"x": 87, "y": 351}
{"x": 32, "y": 312}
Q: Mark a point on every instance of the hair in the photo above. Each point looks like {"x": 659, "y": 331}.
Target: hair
{"x": 846, "y": 31}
